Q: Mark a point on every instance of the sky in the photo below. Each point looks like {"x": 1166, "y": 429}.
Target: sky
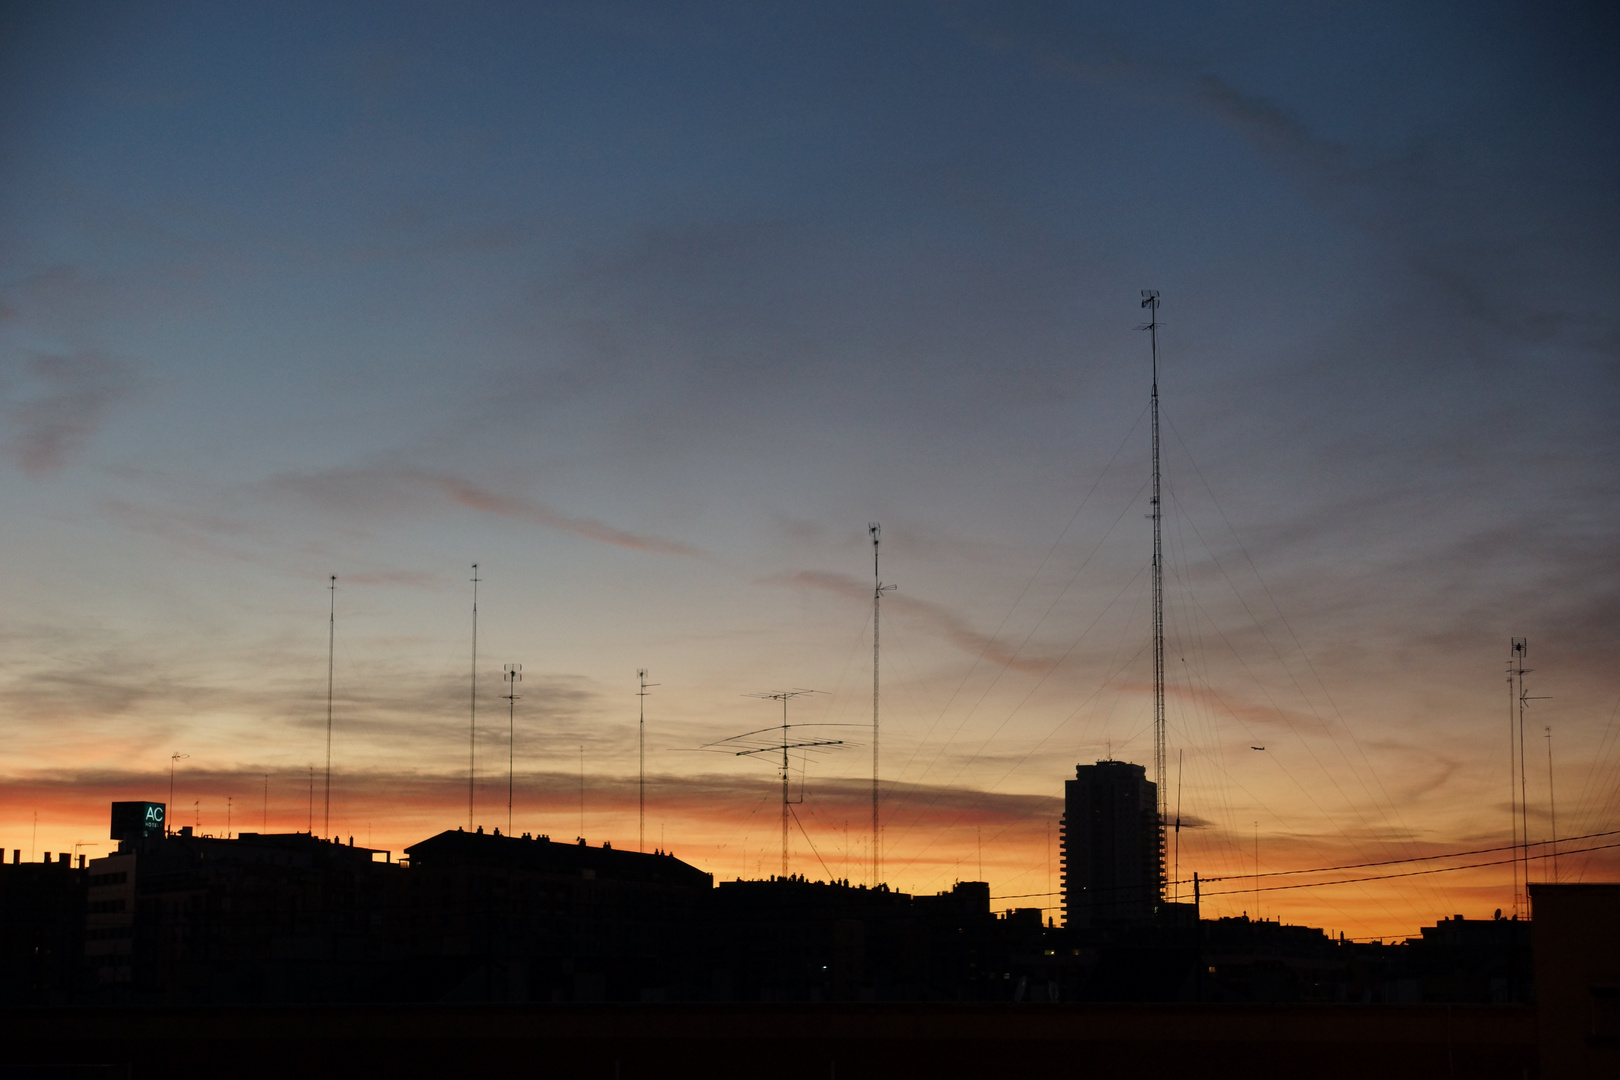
{"x": 650, "y": 309}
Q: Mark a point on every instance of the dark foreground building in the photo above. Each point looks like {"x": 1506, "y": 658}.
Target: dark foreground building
{"x": 486, "y": 917}
{"x": 268, "y": 956}
{"x": 203, "y": 920}
{"x": 41, "y": 929}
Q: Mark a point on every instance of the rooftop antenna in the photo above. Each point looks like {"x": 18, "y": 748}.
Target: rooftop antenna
{"x": 582, "y": 792}
{"x": 1176, "y": 877}
{"x": 472, "y": 717}
{"x": 878, "y": 589}
{"x": 641, "y": 760}
{"x": 1518, "y": 702}
{"x": 264, "y": 825}
{"x": 513, "y": 674}
{"x": 1552, "y": 807}
{"x": 331, "y": 642}
{"x": 782, "y": 746}
{"x": 1150, "y": 300}
{"x": 173, "y": 758}
{"x": 229, "y": 800}
{"x": 312, "y": 799}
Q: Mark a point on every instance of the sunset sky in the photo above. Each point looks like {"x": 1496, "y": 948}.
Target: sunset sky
{"x": 649, "y": 309}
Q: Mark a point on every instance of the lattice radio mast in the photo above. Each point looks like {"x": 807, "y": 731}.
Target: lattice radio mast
{"x": 331, "y": 658}
{"x": 1150, "y": 300}
{"x": 1519, "y": 700}
{"x": 472, "y": 719}
{"x": 878, "y": 589}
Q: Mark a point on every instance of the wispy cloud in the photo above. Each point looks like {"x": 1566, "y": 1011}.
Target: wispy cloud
{"x": 73, "y": 394}
{"x": 945, "y": 622}
{"x": 390, "y": 490}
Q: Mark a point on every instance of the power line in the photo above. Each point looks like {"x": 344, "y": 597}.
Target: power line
{"x": 1413, "y": 859}
{"x": 1386, "y": 877}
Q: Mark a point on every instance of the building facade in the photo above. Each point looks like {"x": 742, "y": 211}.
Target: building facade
{"x": 1112, "y": 845}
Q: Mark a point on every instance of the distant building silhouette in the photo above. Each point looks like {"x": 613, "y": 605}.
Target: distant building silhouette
{"x": 481, "y": 916}
{"x": 264, "y": 917}
{"x": 184, "y": 919}
{"x": 1112, "y": 845}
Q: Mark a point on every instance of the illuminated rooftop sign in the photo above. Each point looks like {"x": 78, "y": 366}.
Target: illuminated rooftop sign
{"x": 133, "y": 820}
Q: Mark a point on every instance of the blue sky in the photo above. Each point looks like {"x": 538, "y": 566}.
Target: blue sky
{"x": 650, "y": 309}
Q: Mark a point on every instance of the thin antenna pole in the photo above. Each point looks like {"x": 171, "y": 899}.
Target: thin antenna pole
{"x": 312, "y": 799}
{"x": 582, "y": 792}
{"x": 331, "y": 656}
{"x": 1552, "y": 807}
{"x": 472, "y": 716}
{"x": 514, "y": 675}
{"x": 878, "y": 589}
{"x": 1177, "y": 874}
{"x": 1150, "y": 300}
{"x": 1521, "y": 650}
{"x": 784, "y": 786}
{"x": 641, "y": 759}
{"x": 1513, "y": 788}
{"x": 264, "y": 825}
{"x": 168, "y": 811}
{"x": 1257, "y": 871}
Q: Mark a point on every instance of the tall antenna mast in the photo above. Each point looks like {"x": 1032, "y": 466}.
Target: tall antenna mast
{"x": 174, "y": 759}
{"x": 1176, "y": 877}
{"x": 641, "y": 760}
{"x": 331, "y": 655}
{"x": 1552, "y": 807}
{"x": 1150, "y": 300}
{"x": 1521, "y": 830}
{"x": 513, "y": 674}
{"x": 878, "y": 589}
{"x": 472, "y": 720}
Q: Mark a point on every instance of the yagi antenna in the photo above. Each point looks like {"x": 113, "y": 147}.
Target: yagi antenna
{"x": 781, "y": 745}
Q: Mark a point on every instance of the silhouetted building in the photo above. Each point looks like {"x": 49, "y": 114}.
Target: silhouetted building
{"x": 1474, "y": 960}
{"x": 1577, "y": 974}
{"x": 1112, "y": 845}
{"x": 489, "y": 917}
{"x": 794, "y": 940}
{"x": 183, "y": 919}
{"x": 201, "y": 919}
{"x": 41, "y": 929}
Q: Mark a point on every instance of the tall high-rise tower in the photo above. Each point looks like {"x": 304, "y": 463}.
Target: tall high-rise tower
{"x": 1112, "y": 845}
